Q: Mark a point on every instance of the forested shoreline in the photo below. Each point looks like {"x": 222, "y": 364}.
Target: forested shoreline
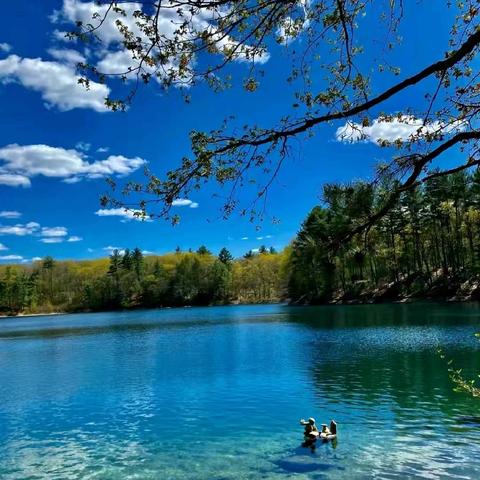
{"x": 426, "y": 247}
{"x": 129, "y": 279}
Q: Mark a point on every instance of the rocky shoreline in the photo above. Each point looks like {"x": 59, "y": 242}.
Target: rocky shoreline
{"x": 413, "y": 288}
{"x": 438, "y": 287}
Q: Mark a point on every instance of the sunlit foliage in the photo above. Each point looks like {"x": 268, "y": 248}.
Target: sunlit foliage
{"x": 128, "y": 279}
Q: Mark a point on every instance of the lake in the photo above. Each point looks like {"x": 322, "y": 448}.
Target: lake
{"x": 217, "y": 393}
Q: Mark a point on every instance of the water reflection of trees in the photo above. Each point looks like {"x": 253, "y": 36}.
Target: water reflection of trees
{"x": 409, "y": 378}
{"x": 365, "y": 367}
{"x": 355, "y": 316}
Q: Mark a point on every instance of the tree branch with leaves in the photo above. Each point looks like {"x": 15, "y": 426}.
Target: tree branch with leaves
{"x": 183, "y": 42}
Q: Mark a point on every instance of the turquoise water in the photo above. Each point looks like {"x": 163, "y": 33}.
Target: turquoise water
{"x": 216, "y": 393}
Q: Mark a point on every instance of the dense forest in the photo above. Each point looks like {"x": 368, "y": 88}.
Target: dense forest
{"x": 426, "y": 246}
{"x": 129, "y": 279}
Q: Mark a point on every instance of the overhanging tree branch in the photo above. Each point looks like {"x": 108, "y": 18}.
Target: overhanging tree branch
{"x": 240, "y": 30}
{"x": 438, "y": 67}
{"x": 419, "y": 163}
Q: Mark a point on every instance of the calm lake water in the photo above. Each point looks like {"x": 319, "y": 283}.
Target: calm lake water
{"x": 216, "y": 393}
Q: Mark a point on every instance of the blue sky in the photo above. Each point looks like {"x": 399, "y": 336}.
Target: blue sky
{"x": 55, "y": 155}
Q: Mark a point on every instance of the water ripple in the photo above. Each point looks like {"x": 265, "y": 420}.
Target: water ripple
{"x": 217, "y": 393}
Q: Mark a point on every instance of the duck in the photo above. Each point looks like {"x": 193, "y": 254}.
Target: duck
{"x": 326, "y": 434}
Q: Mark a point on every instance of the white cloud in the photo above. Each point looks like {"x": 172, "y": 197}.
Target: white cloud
{"x": 56, "y": 235}
{"x": 22, "y": 162}
{"x": 184, "y": 202}
{"x": 102, "y": 149}
{"x": 47, "y": 234}
{"x": 61, "y": 36}
{"x": 83, "y": 146}
{"x": 117, "y": 62}
{"x": 5, "y": 47}
{"x": 10, "y": 214}
{"x": 71, "y": 180}
{"x": 110, "y": 249}
{"x": 31, "y": 260}
{"x": 244, "y": 238}
{"x": 226, "y": 44}
{"x": 52, "y": 240}
{"x": 290, "y": 28}
{"x": 56, "y": 82}
{"x": 67, "y": 55}
{"x": 122, "y": 212}
{"x": 3, "y": 247}
{"x": 114, "y": 164}
{"x": 12, "y": 180}
{"x": 402, "y": 128}
{"x": 20, "y": 229}
{"x": 114, "y": 58}
{"x": 74, "y": 238}
{"x": 75, "y": 10}
{"x": 54, "y": 232}
{"x": 11, "y": 257}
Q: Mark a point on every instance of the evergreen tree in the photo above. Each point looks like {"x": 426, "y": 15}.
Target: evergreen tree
{"x": 203, "y": 250}
{"x": 48, "y": 264}
{"x": 225, "y": 256}
{"x": 127, "y": 260}
{"x": 137, "y": 261}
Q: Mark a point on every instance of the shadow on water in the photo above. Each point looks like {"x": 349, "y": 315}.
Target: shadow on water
{"x": 306, "y": 460}
{"x": 385, "y": 315}
{"x": 468, "y": 421}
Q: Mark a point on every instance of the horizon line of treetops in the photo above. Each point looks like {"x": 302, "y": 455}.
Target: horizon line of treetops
{"x": 129, "y": 279}
{"x": 428, "y": 242}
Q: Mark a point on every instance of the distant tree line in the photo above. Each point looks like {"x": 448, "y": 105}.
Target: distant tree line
{"x": 129, "y": 279}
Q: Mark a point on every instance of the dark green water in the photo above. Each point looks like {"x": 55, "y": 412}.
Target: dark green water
{"x": 216, "y": 393}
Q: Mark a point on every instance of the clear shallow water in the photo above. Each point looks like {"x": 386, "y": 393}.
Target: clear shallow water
{"x": 216, "y": 393}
